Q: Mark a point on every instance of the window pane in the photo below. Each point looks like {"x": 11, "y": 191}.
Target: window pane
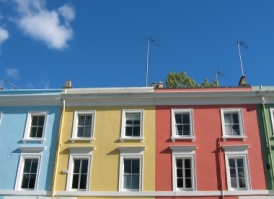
{"x": 127, "y": 166}
{"x": 187, "y": 163}
{"x": 129, "y": 131}
{"x": 236, "y": 129}
{"x": 25, "y": 181}
{"x": 27, "y": 165}
{"x": 186, "y": 118}
{"x": 179, "y": 163}
{"x": 135, "y": 166}
{"x": 241, "y": 172}
{"x": 39, "y": 132}
{"x": 75, "y": 181}
{"x": 41, "y": 120}
{"x": 34, "y": 166}
{"x": 240, "y": 162}
{"x": 84, "y": 166}
{"x": 34, "y": 121}
{"x": 228, "y": 118}
{"x": 135, "y": 182}
{"x": 235, "y": 117}
{"x": 127, "y": 181}
{"x": 88, "y": 120}
{"x": 87, "y": 132}
{"x": 32, "y": 181}
{"x": 231, "y": 163}
{"x": 81, "y": 120}
{"x": 232, "y": 172}
{"x": 186, "y": 129}
{"x": 83, "y": 182}
{"x": 179, "y": 172}
{"x": 33, "y": 131}
{"x": 178, "y": 118}
{"x": 76, "y": 166}
{"x": 80, "y": 131}
{"x": 188, "y": 183}
{"x": 179, "y": 129}
{"x": 242, "y": 182}
{"x": 188, "y": 172}
{"x": 180, "y": 183}
{"x": 228, "y": 129}
{"x": 136, "y": 131}
{"x": 233, "y": 182}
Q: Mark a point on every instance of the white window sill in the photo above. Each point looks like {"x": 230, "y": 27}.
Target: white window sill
{"x": 131, "y": 138}
{"x": 72, "y": 140}
{"x": 42, "y": 140}
{"x": 234, "y": 137}
{"x": 182, "y": 138}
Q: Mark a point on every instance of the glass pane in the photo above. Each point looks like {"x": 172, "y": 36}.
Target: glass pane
{"x": 76, "y": 166}
{"x": 228, "y": 129}
{"x": 80, "y": 132}
{"x": 33, "y": 131}
{"x": 228, "y": 118}
{"x": 127, "y": 166}
{"x": 83, "y": 181}
{"x": 241, "y": 172}
{"x": 129, "y": 118}
{"x": 232, "y": 172}
{"x": 231, "y": 163}
{"x": 135, "y": 182}
{"x": 240, "y": 162}
{"x": 242, "y": 182}
{"x": 233, "y": 182}
{"x": 188, "y": 172}
{"x": 235, "y": 118}
{"x": 41, "y": 120}
{"x": 34, "y": 166}
{"x": 75, "y": 181}
{"x": 126, "y": 181}
{"x": 34, "y": 121}
{"x": 178, "y": 119}
{"x": 179, "y": 129}
{"x": 81, "y": 120}
{"x": 27, "y": 165}
{"x": 84, "y": 166}
{"x": 186, "y": 129}
{"x": 186, "y": 118}
{"x": 32, "y": 181}
{"x": 236, "y": 129}
{"x": 188, "y": 183}
{"x": 39, "y": 132}
{"x": 129, "y": 131}
{"x": 179, "y": 172}
{"x": 179, "y": 163}
{"x": 25, "y": 181}
{"x": 135, "y": 166}
{"x": 136, "y": 131}
{"x": 88, "y": 120}
{"x": 187, "y": 163}
{"x": 180, "y": 183}
{"x": 87, "y": 132}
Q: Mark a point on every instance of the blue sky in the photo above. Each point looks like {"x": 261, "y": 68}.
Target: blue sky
{"x": 103, "y": 43}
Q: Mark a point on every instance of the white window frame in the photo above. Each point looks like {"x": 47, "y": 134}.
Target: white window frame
{"x": 241, "y": 123}
{"x": 123, "y": 126}
{"x": 78, "y": 153}
{"x": 75, "y": 125}
{"x": 27, "y": 137}
{"x": 28, "y": 153}
{"x": 237, "y": 151}
{"x": 271, "y": 110}
{"x": 183, "y": 152}
{"x": 173, "y": 124}
{"x": 135, "y": 152}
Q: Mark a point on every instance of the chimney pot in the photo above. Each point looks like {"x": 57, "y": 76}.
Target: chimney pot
{"x": 153, "y": 84}
{"x": 160, "y": 85}
{"x": 67, "y": 84}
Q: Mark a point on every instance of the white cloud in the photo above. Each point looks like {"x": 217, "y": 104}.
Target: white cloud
{"x": 44, "y": 25}
{"x": 13, "y": 73}
{"x": 4, "y": 35}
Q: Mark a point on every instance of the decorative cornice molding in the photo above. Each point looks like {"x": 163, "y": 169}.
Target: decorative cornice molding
{"x": 32, "y": 149}
{"x": 131, "y": 148}
{"x": 234, "y": 147}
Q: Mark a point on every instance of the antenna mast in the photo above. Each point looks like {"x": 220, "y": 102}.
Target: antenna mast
{"x": 12, "y": 85}
{"x": 240, "y": 56}
{"x": 149, "y": 39}
{"x": 217, "y": 72}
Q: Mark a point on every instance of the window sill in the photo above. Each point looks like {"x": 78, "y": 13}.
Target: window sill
{"x": 132, "y": 138}
{"x": 182, "y": 138}
{"x": 25, "y": 140}
{"x": 72, "y": 140}
{"x": 234, "y": 137}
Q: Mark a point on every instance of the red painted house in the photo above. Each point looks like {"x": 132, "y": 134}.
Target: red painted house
{"x": 208, "y": 144}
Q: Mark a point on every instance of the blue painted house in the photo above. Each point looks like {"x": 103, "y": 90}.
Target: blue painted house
{"x": 29, "y": 125}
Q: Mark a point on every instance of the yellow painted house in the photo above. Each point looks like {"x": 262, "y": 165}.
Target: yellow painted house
{"x": 106, "y": 144}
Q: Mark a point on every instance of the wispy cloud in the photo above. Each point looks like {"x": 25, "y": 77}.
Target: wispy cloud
{"x": 13, "y": 73}
{"x": 50, "y": 27}
{"x": 42, "y": 83}
{"x": 4, "y": 35}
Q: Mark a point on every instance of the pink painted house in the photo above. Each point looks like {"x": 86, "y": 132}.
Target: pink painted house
{"x": 208, "y": 144}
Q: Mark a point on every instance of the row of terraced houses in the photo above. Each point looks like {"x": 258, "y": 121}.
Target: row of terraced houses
{"x": 141, "y": 142}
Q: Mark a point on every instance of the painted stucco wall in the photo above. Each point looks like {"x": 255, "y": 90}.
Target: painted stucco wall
{"x": 207, "y": 129}
{"x": 105, "y": 157}
{"x": 12, "y": 129}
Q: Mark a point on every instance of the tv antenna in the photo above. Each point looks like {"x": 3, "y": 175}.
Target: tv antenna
{"x": 241, "y": 43}
{"x": 12, "y": 85}
{"x": 149, "y": 39}
{"x": 217, "y": 72}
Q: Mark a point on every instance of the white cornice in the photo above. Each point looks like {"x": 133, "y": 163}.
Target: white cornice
{"x": 232, "y": 148}
{"x": 32, "y": 149}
